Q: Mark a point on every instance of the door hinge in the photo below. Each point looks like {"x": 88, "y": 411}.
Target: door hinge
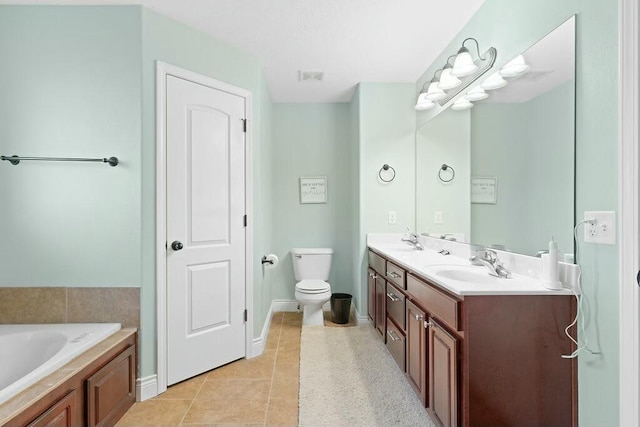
{"x": 244, "y": 125}
{"x": 245, "y": 315}
{"x": 244, "y": 220}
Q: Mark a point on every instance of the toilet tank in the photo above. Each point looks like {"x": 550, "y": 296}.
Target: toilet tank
{"x": 311, "y": 263}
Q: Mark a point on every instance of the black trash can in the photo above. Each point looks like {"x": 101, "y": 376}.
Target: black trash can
{"x": 340, "y": 308}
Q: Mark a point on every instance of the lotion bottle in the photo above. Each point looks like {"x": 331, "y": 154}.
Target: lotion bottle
{"x": 550, "y": 280}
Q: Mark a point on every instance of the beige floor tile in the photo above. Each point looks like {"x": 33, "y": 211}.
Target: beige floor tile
{"x": 289, "y": 344}
{"x": 213, "y": 411}
{"x": 290, "y": 371}
{"x": 284, "y": 388}
{"x": 288, "y": 356}
{"x": 155, "y": 413}
{"x": 185, "y": 390}
{"x": 232, "y": 390}
{"x": 292, "y": 315}
{"x": 282, "y": 411}
{"x": 258, "y": 367}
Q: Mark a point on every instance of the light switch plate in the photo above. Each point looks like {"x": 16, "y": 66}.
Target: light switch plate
{"x": 393, "y": 217}
{"x": 437, "y": 217}
{"x": 604, "y": 228}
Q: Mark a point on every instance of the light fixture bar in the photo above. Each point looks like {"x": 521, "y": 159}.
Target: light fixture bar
{"x": 484, "y": 65}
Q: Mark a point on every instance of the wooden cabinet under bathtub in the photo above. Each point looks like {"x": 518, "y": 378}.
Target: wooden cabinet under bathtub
{"x": 97, "y": 395}
{"x": 486, "y": 360}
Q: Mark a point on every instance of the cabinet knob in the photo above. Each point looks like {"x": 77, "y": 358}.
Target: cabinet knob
{"x": 428, "y": 324}
{"x": 419, "y": 317}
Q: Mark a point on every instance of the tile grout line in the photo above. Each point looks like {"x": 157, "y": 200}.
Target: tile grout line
{"x": 273, "y": 372}
{"x": 193, "y": 401}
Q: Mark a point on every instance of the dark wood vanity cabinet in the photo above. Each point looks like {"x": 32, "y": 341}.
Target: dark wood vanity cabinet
{"x": 371, "y": 295}
{"x": 485, "y": 360}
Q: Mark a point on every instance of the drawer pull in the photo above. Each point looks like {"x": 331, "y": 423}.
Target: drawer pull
{"x": 393, "y": 275}
{"x": 392, "y": 297}
{"x": 418, "y": 317}
{"x": 394, "y": 337}
{"x": 373, "y": 275}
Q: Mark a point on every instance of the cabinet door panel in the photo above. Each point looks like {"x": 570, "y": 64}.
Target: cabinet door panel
{"x": 371, "y": 295}
{"x": 395, "y": 306}
{"x": 416, "y": 351}
{"x": 111, "y": 390}
{"x": 61, "y": 414}
{"x": 443, "y": 376}
{"x": 381, "y": 314}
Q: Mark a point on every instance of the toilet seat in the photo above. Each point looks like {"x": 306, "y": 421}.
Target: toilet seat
{"x": 313, "y": 286}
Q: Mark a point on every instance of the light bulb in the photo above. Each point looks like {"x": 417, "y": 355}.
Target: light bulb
{"x": 476, "y": 94}
{"x": 495, "y": 81}
{"x": 463, "y": 65}
{"x": 461, "y": 104}
{"x": 423, "y": 103}
{"x": 515, "y": 67}
{"x": 434, "y": 93}
{"x": 447, "y": 81}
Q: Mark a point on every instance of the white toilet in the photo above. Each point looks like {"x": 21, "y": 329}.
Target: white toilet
{"x": 311, "y": 267}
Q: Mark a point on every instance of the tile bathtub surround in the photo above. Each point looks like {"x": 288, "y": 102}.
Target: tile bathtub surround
{"x": 262, "y": 391}
{"x": 70, "y": 305}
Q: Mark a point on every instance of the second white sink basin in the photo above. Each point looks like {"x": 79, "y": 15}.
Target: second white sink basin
{"x": 466, "y": 274}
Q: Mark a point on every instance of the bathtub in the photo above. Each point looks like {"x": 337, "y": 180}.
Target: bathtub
{"x": 28, "y": 353}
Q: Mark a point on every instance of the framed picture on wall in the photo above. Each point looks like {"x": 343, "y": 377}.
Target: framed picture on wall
{"x": 313, "y": 189}
{"x": 484, "y": 190}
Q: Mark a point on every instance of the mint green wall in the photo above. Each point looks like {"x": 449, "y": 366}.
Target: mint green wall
{"x": 311, "y": 140}
{"x": 512, "y": 27}
{"x": 166, "y": 40}
{"x": 386, "y": 127}
{"x": 70, "y": 87}
{"x": 529, "y": 147}
{"x": 446, "y": 139}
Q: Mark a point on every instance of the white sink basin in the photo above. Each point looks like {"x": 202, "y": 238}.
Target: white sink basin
{"x": 466, "y": 274}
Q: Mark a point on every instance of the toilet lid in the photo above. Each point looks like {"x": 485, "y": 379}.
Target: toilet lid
{"x": 313, "y": 286}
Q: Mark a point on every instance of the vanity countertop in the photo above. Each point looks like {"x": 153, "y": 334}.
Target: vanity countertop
{"x": 432, "y": 265}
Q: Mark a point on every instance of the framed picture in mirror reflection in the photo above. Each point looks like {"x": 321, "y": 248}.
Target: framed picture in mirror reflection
{"x": 484, "y": 190}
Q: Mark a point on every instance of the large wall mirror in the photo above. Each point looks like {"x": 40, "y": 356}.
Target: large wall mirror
{"x": 513, "y": 156}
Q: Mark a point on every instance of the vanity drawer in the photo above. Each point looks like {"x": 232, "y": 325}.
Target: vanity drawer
{"x": 396, "y": 344}
{"x": 438, "y": 304}
{"x": 395, "y": 305}
{"x": 395, "y": 274}
{"x": 377, "y": 262}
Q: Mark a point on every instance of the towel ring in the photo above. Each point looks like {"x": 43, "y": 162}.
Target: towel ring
{"x": 444, "y": 167}
{"x": 386, "y": 167}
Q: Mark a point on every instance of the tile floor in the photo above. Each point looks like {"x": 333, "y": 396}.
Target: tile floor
{"x": 262, "y": 391}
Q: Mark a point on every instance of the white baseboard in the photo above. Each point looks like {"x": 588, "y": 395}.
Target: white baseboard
{"x": 146, "y": 388}
{"x": 276, "y": 305}
{"x": 362, "y": 320}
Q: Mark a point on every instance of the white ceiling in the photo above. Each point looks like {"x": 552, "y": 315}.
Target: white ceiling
{"x": 351, "y": 41}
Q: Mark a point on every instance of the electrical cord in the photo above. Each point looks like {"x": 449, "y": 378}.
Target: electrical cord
{"x": 579, "y": 297}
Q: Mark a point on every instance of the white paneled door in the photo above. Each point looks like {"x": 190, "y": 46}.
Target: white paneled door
{"x": 205, "y": 228}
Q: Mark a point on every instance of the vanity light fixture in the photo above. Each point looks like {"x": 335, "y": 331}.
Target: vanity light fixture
{"x": 461, "y": 104}
{"x": 434, "y": 93}
{"x": 447, "y": 81}
{"x": 516, "y": 67}
{"x": 495, "y": 81}
{"x": 464, "y": 65}
{"x": 423, "y": 103}
{"x": 476, "y": 94}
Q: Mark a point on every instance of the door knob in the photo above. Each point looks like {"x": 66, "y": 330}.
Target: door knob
{"x": 177, "y": 245}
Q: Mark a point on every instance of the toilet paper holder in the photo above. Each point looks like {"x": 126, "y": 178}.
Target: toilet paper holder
{"x": 266, "y": 261}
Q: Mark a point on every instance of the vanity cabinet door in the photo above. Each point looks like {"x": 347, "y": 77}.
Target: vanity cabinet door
{"x": 371, "y": 295}
{"x": 61, "y": 414}
{"x": 416, "y": 366}
{"x": 443, "y": 376}
{"x": 381, "y": 315}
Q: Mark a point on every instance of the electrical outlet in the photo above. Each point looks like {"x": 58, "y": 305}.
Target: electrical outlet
{"x": 437, "y": 217}
{"x": 393, "y": 217}
{"x": 603, "y": 229}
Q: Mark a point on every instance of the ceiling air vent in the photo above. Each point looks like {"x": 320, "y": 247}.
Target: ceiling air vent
{"x": 311, "y": 76}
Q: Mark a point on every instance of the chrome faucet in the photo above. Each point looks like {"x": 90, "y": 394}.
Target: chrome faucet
{"x": 448, "y": 236}
{"x": 493, "y": 263}
{"x": 412, "y": 239}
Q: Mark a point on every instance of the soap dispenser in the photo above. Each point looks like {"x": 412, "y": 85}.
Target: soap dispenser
{"x": 550, "y": 267}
